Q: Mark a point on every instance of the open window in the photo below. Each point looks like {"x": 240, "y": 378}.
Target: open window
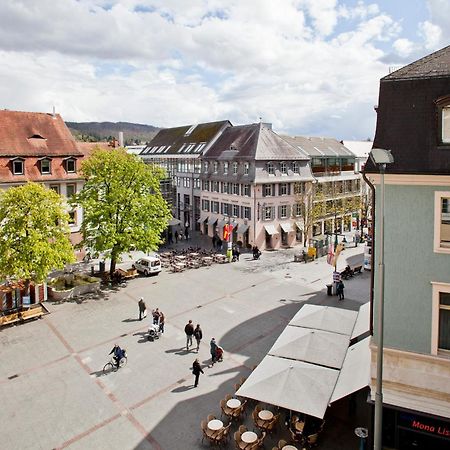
{"x": 443, "y": 120}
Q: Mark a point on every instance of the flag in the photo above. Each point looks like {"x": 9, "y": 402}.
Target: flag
{"x": 330, "y": 256}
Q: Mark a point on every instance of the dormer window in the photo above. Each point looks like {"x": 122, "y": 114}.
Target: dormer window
{"x": 205, "y": 167}
{"x": 295, "y": 167}
{"x": 270, "y": 168}
{"x": 46, "y": 166}
{"x": 18, "y": 166}
{"x": 225, "y": 168}
{"x": 283, "y": 168}
{"x": 235, "y": 168}
{"x": 71, "y": 165}
{"x": 443, "y": 110}
{"x": 215, "y": 166}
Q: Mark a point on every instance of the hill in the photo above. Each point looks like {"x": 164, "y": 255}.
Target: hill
{"x": 133, "y": 133}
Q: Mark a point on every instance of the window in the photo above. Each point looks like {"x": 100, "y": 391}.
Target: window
{"x": 235, "y": 210}
{"x": 205, "y": 167}
{"x": 215, "y": 207}
{"x": 246, "y": 168}
{"x": 224, "y": 188}
{"x": 444, "y": 321}
{"x": 226, "y": 209}
{"x": 235, "y": 188}
{"x": 297, "y": 209}
{"x": 246, "y": 190}
{"x": 215, "y": 186}
{"x": 283, "y": 189}
{"x": 206, "y": 185}
{"x": 55, "y": 187}
{"x": 196, "y": 183}
{"x": 71, "y": 189}
{"x": 298, "y": 188}
{"x": 186, "y": 182}
{"x": 235, "y": 168}
{"x": 295, "y": 167}
{"x": 440, "y": 329}
{"x": 267, "y": 212}
{"x": 317, "y": 162}
{"x": 225, "y": 168}
{"x": 17, "y": 165}
{"x": 442, "y": 222}
{"x": 283, "y": 211}
{"x": 443, "y": 110}
{"x": 71, "y": 165}
{"x": 190, "y": 130}
{"x": 270, "y": 168}
{"x": 283, "y": 168}
{"x": 267, "y": 190}
{"x": 205, "y": 205}
{"x": 215, "y": 166}
{"x": 72, "y": 217}
{"x": 247, "y": 213}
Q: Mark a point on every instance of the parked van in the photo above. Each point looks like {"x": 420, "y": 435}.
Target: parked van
{"x": 148, "y": 265}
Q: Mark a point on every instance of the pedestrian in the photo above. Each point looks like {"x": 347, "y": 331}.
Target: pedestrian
{"x": 196, "y": 370}
{"x": 161, "y": 321}
{"x": 142, "y": 309}
{"x": 170, "y": 237}
{"x": 156, "y": 314}
{"x": 189, "y": 330}
{"x": 214, "y": 241}
{"x": 186, "y": 230}
{"x": 198, "y": 334}
{"x": 340, "y": 290}
{"x": 219, "y": 354}
{"x": 213, "y": 350}
{"x": 176, "y": 236}
{"x": 219, "y": 244}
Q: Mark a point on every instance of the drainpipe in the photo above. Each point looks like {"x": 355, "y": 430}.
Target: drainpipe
{"x": 372, "y": 256}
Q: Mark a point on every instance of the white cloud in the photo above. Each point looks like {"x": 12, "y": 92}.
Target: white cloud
{"x": 431, "y": 33}
{"x": 404, "y": 47}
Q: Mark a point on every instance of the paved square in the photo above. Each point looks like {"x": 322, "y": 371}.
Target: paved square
{"x": 54, "y": 394}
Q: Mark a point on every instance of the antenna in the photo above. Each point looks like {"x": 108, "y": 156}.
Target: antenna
{"x": 54, "y": 112}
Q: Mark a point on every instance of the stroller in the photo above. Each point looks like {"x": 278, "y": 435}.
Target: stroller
{"x": 153, "y": 332}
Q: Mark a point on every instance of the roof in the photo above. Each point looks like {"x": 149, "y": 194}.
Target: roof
{"x": 88, "y": 147}
{"x": 319, "y": 146}
{"x": 360, "y": 148}
{"x": 184, "y": 140}
{"x": 256, "y": 142}
{"x": 436, "y": 64}
{"x": 35, "y": 134}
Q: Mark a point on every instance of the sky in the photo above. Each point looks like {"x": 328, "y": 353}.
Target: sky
{"x": 309, "y": 67}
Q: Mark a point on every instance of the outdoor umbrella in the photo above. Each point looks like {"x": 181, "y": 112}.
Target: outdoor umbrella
{"x": 174, "y": 222}
{"x": 291, "y": 384}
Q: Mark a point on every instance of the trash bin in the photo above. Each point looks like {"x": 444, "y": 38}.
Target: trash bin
{"x": 101, "y": 266}
{"x": 329, "y": 289}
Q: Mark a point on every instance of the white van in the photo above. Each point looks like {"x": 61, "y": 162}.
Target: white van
{"x": 148, "y": 265}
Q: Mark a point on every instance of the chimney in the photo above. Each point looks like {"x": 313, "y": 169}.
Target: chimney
{"x": 54, "y": 112}
{"x": 120, "y": 138}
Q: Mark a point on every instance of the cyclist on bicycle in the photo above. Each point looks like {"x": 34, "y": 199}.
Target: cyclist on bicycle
{"x": 118, "y": 354}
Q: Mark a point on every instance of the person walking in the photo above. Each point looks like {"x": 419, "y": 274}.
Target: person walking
{"x": 340, "y": 290}
{"x": 213, "y": 350}
{"x": 176, "y": 236}
{"x": 214, "y": 241}
{"x": 219, "y": 244}
{"x": 196, "y": 370}
{"x": 198, "y": 334}
{"x": 189, "y": 330}
{"x": 156, "y": 314}
{"x": 161, "y": 321}
{"x": 142, "y": 308}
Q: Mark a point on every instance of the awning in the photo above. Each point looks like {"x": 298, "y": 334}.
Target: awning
{"x": 202, "y": 219}
{"x": 326, "y": 318}
{"x": 271, "y": 229}
{"x": 362, "y": 324}
{"x": 355, "y": 372}
{"x": 291, "y": 384}
{"x": 299, "y": 225}
{"x": 212, "y": 220}
{"x": 242, "y": 228}
{"x": 311, "y": 346}
{"x": 222, "y": 223}
{"x": 286, "y": 226}
{"x": 174, "y": 222}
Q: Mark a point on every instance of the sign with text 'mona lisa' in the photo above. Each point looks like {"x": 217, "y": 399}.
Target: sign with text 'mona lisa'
{"x": 425, "y": 425}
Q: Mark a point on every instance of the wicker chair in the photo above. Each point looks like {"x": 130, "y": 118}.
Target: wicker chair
{"x": 222, "y": 437}
{"x": 228, "y": 397}
{"x": 259, "y": 423}
{"x": 210, "y": 417}
{"x": 281, "y": 444}
{"x": 242, "y": 429}
{"x": 311, "y": 440}
{"x": 270, "y": 426}
{"x": 225, "y": 409}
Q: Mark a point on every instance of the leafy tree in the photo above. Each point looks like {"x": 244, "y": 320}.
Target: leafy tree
{"x": 34, "y": 233}
{"x": 122, "y": 202}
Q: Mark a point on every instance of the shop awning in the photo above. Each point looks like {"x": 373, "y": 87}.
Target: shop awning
{"x": 270, "y": 229}
{"x": 202, "y": 219}
{"x": 299, "y": 225}
{"x": 286, "y": 226}
{"x": 221, "y": 223}
{"x": 212, "y": 220}
{"x": 242, "y": 228}
{"x": 174, "y": 222}
{"x": 291, "y": 384}
{"x": 355, "y": 372}
{"x": 311, "y": 346}
{"x": 326, "y": 318}
{"x": 362, "y": 324}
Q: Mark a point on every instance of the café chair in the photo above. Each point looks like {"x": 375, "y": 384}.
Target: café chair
{"x": 222, "y": 437}
{"x": 228, "y": 397}
{"x": 225, "y": 409}
{"x": 210, "y": 417}
{"x": 242, "y": 429}
{"x": 311, "y": 440}
{"x": 281, "y": 444}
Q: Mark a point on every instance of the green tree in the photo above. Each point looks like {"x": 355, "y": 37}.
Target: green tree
{"x": 122, "y": 202}
{"x": 34, "y": 233}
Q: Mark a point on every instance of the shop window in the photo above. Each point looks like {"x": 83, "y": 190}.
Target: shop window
{"x": 442, "y": 222}
{"x": 18, "y": 166}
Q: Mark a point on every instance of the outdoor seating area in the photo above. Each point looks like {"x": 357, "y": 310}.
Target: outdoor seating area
{"x": 178, "y": 260}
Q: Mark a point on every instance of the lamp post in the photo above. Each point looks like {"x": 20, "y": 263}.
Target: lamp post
{"x": 381, "y": 158}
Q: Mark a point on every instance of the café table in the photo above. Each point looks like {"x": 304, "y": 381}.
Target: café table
{"x": 215, "y": 424}
{"x": 289, "y": 447}
{"x": 193, "y": 254}
{"x": 233, "y": 403}
{"x": 265, "y": 414}
{"x": 180, "y": 257}
{"x": 249, "y": 437}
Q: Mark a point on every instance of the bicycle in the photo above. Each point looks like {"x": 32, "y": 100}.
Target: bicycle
{"x": 111, "y": 366}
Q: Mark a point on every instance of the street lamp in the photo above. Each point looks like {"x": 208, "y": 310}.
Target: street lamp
{"x": 381, "y": 158}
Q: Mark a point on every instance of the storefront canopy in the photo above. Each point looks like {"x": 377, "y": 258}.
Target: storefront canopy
{"x": 202, "y": 219}
{"x": 221, "y": 223}
{"x": 355, "y": 372}
{"x": 242, "y": 228}
{"x": 286, "y": 227}
{"x": 312, "y": 346}
{"x": 212, "y": 220}
{"x": 291, "y": 384}
{"x": 326, "y": 318}
{"x": 271, "y": 229}
{"x": 299, "y": 225}
{"x": 174, "y": 222}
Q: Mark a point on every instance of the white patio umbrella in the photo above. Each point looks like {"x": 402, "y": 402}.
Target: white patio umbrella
{"x": 313, "y": 346}
{"x": 291, "y": 384}
{"x": 325, "y": 318}
{"x": 174, "y": 222}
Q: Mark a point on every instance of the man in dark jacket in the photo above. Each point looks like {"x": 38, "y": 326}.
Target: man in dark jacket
{"x": 142, "y": 308}
{"x": 189, "y": 330}
{"x": 196, "y": 370}
{"x": 118, "y": 354}
{"x": 198, "y": 334}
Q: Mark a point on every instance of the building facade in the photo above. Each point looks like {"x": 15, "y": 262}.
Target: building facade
{"x": 414, "y": 122}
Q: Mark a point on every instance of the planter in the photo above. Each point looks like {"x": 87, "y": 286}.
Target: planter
{"x": 69, "y": 286}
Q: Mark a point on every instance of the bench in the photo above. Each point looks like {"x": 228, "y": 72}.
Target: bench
{"x": 33, "y": 312}
{"x": 357, "y": 269}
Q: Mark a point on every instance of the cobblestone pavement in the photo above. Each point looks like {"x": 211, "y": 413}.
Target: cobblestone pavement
{"x": 55, "y": 395}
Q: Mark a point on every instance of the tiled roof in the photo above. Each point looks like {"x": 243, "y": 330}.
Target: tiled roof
{"x": 187, "y": 139}
{"x": 88, "y": 147}
{"x": 319, "y": 147}
{"x": 435, "y": 65}
{"x": 255, "y": 142}
{"x": 35, "y": 134}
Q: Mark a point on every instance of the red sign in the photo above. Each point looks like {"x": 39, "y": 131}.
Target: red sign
{"x": 227, "y": 230}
